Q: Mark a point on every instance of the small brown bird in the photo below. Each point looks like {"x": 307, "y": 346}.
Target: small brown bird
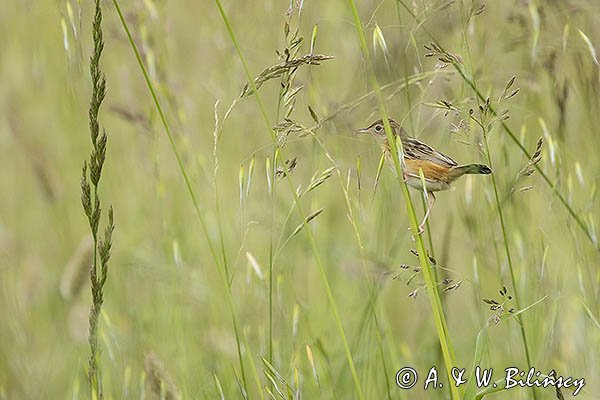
{"x": 438, "y": 169}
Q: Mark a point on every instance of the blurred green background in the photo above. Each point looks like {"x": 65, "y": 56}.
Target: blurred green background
{"x": 166, "y": 313}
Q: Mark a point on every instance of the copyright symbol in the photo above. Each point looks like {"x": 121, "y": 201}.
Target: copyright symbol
{"x": 406, "y": 378}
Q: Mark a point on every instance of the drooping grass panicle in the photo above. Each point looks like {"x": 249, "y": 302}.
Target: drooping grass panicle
{"x": 527, "y": 170}
{"x": 90, "y": 198}
{"x": 277, "y": 70}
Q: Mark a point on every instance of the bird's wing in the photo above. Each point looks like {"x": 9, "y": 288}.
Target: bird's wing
{"x": 417, "y": 150}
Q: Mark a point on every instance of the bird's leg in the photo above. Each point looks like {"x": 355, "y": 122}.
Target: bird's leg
{"x": 404, "y": 177}
{"x": 430, "y": 201}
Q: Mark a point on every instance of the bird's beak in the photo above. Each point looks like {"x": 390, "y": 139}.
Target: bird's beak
{"x": 361, "y": 131}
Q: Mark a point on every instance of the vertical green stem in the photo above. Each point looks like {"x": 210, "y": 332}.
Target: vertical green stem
{"x": 438, "y": 313}
{"x": 221, "y": 268}
{"x": 509, "y": 259}
{"x": 271, "y": 260}
{"x": 552, "y": 185}
{"x": 372, "y": 289}
{"x": 497, "y": 200}
{"x": 292, "y": 188}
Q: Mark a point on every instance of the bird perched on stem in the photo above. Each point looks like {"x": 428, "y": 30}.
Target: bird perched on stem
{"x": 439, "y": 170}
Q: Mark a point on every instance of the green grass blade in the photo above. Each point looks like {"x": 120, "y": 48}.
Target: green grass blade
{"x": 188, "y": 185}
{"x": 439, "y": 317}
{"x": 552, "y": 185}
{"x": 480, "y": 346}
{"x": 312, "y": 241}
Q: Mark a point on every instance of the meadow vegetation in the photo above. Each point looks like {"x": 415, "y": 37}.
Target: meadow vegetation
{"x": 260, "y": 249}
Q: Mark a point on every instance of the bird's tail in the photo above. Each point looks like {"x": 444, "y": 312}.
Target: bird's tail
{"x": 471, "y": 169}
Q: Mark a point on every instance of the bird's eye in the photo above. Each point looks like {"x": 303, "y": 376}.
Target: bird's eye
{"x": 378, "y": 128}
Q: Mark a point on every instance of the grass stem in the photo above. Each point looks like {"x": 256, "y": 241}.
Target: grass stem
{"x": 439, "y": 317}
{"x": 292, "y": 188}
{"x": 552, "y": 185}
{"x": 192, "y": 194}
{"x": 484, "y": 128}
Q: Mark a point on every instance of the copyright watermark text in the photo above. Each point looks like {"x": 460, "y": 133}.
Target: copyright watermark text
{"x": 408, "y": 377}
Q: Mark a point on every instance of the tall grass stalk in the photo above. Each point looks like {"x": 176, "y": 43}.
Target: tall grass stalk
{"x": 222, "y": 268}
{"x": 434, "y": 298}
{"x": 272, "y": 253}
{"x": 485, "y": 131}
{"x": 552, "y": 185}
{"x": 513, "y": 278}
{"x": 271, "y": 267}
{"x": 90, "y": 200}
{"x": 372, "y": 289}
{"x": 288, "y": 179}
{"x": 216, "y": 195}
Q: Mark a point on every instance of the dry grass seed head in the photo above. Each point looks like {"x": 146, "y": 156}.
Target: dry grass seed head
{"x": 77, "y": 269}
{"x": 159, "y": 384}
{"x": 277, "y": 70}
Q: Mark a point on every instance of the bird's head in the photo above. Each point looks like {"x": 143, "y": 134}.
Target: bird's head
{"x": 377, "y": 129}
